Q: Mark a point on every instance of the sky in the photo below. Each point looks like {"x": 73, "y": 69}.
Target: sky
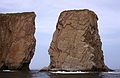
{"x": 47, "y": 12}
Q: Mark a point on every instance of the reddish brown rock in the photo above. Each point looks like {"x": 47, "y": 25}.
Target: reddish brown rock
{"x": 76, "y": 43}
{"x": 17, "y": 41}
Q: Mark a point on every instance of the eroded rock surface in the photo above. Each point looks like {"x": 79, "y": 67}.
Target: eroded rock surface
{"x": 76, "y": 43}
{"x": 17, "y": 41}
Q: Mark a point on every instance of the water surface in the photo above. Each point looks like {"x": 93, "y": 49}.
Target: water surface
{"x": 37, "y": 74}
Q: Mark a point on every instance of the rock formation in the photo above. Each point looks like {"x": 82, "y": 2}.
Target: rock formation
{"x": 76, "y": 43}
{"x": 17, "y": 41}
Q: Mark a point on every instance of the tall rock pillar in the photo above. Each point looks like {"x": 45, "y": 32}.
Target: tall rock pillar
{"x": 17, "y": 41}
{"x": 76, "y": 43}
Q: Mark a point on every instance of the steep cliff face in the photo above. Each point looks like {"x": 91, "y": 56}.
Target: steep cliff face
{"x": 76, "y": 43}
{"x": 17, "y": 41}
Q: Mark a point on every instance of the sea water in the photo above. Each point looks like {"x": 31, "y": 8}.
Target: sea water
{"x": 37, "y": 74}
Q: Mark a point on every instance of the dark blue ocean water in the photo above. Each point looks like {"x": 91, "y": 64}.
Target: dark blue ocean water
{"x": 37, "y": 74}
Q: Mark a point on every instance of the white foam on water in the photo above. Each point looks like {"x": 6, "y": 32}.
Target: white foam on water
{"x": 111, "y": 72}
{"x": 7, "y": 71}
{"x": 64, "y": 72}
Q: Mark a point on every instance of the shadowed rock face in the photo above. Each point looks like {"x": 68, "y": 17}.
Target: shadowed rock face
{"x": 17, "y": 41}
{"x": 76, "y": 43}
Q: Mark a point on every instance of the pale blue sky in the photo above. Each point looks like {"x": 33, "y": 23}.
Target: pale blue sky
{"x": 47, "y": 12}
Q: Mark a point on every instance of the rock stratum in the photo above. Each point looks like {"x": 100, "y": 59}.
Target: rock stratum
{"x": 76, "y": 43}
{"x": 17, "y": 41}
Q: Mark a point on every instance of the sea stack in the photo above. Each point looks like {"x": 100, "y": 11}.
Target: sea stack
{"x": 17, "y": 41}
{"x": 76, "y": 43}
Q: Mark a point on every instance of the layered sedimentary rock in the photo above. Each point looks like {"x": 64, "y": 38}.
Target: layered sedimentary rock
{"x": 17, "y": 41}
{"x": 76, "y": 43}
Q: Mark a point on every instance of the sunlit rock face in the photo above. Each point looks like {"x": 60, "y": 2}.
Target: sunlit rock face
{"x": 76, "y": 43}
{"x": 17, "y": 41}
